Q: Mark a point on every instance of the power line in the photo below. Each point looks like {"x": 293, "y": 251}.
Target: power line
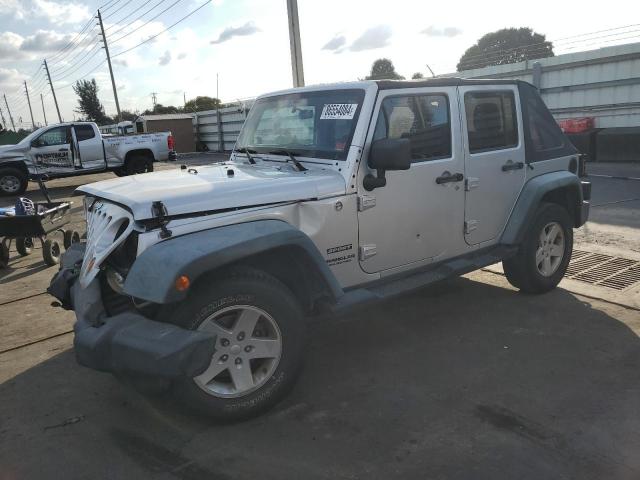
{"x": 81, "y": 43}
{"x": 110, "y": 6}
{"x": 111, "y": 14}
{"x": 72, "y": 40}
{"x": 137, "y": 18}
{"x": 163, "y": 31}
{"x": 117, "y": 22}
{"x": 146, "y": 23}
{"x": 74, "y": 68}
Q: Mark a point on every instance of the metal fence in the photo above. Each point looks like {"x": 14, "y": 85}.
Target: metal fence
{"x": 218, "y": 130}
{"x": 603, "y": 83}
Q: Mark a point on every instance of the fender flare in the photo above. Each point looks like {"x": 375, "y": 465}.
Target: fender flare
{"x": 531, "y": 196}
{"x": 154, "y": 273}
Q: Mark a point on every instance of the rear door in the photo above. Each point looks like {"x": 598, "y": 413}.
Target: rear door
{"x": 89, "y": 143}
{"x": 494, "y": 157}
{"x": 51, "y": 152}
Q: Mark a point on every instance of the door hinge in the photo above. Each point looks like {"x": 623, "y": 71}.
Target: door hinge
{"x": 470, "y": 226}
{"x": 471, "y": 183}
{"x": 367, "y": 251}
{"x": 366, "y": 202}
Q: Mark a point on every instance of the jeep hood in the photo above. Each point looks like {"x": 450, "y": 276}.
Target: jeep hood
{"x": 216, "y": 187}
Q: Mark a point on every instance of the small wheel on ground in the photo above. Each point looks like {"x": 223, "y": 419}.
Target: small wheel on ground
{"x": 4, "y": 255}
{"x": 12, "y": 181}
{"x": 260, "y": 334}
{"x": 51, "y": 252}
{"x": 24, "y": 245}
{"x": 138, "y": 164}
{"x": 71, "y": 237}
{"x": 544, "y": 255}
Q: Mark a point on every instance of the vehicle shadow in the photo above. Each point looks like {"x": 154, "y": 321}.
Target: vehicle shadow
{"x": 460, "y": 380}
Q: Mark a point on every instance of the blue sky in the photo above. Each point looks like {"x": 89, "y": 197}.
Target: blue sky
{"x": 246, "y": 42}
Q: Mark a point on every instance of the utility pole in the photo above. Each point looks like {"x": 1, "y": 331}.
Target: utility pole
{"x": 53, "y": 92}
{"x": 294, "y": 40}
{"x": 13, "y": 125}
{"x": 153, "y": 99}
{"x": 44, "y": 114}
{"x": 4, "y": 123}
{"x": 26, "y": 91}
{"x": 217, "y": 89}
{"x": 432, "y": 74}
{"x": 113, "y": 82}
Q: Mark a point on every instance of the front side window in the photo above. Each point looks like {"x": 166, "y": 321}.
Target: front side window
{"x": 55, "y": 136}
{"x": 423, "y": 119}
{"x": 491, "y": 120}
{"x": 311, "y": 124}
{"x": 84, "y": 132}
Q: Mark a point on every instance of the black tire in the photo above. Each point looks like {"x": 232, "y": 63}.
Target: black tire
{"x": 13, "y": 181}
{"x": 138, "y": 164}
{"x": 4, "y": 255}
{"x": 24, "y": 245}
{"x": 522, "y": 270}
{"x": 256, "y": 289}
{"x": 71, "y": 237}
{"x": 120, "y": 172}
{"x": 51, "y": 252}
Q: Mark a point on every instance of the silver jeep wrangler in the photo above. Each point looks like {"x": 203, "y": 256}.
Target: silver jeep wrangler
{"x": 335, "y": 195}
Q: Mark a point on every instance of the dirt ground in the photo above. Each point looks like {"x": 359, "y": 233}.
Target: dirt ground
{"x": 465, "y": 379}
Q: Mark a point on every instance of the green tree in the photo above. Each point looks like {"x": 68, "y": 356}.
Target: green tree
{"x": 89, "y": 105}
{"x": 200, "y": 104}
{"x": 383, "y": 69}
{"x": 160, "y": 109}
{"x": 417, "y": 76}
{"x": 127, "y": 115}
{"x": 509, "y": 45}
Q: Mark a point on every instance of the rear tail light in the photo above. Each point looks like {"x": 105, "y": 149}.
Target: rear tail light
{"x": 171, "y": 143}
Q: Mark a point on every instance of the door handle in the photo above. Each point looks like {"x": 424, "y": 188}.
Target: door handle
{"x": 512, "y": 166}
{"x": 63, "y": 150}
{"x": 447, "y": 177}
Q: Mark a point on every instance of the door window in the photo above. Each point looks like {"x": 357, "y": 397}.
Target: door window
{"x": 491, "y": 120}
{"x": 84, "y": 132}
{"x": 423, "y": 119}
{"x": 55, "y": 136}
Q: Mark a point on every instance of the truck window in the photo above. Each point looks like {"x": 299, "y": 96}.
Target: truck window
{"x": 55, "y": 136}
{"x": 491, "y": 120}
{"x": 423, "y": 119}
{"x": 84, "y": 132}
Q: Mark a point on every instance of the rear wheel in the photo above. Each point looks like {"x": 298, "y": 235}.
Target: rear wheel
{"x": 260, "y": 335}
{"x": 544, "y": 255}
{"x": 51, "y": 252}
{"x": 138, "y": 164}
{"x": 24, "y": 245}
{"x": 12, "y": 181}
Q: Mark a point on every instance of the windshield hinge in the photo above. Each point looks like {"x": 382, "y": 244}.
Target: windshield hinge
{"x": 159, "y": 211}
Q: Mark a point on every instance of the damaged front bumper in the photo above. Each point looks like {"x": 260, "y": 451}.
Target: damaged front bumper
{"x": 127, "y": 342}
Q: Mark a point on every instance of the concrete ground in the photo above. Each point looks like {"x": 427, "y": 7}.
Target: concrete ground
{"x": 464, "y": 379}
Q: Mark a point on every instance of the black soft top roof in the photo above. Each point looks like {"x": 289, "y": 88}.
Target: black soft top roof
{"x": 442, "y": 82}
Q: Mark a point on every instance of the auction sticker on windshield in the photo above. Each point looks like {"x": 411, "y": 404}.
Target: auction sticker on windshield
{"x": 338, "y": 111}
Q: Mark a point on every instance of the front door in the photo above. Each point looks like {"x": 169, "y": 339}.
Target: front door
{"x": 495, "y": 159}
{"x": 89, "y": 151}
{"x": 51, "y": 151}
{"x": 418, "y": 215}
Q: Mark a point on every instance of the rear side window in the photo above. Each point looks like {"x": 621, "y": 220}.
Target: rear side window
{"x": 423, "y": 119}
{"x": 84, "y": 132}
{"x": 491, "y": 120}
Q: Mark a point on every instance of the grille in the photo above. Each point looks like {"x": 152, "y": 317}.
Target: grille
{"x": 604, "y": 270}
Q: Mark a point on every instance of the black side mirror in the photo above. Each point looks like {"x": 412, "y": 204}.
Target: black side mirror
{"x": 387, "y": 154}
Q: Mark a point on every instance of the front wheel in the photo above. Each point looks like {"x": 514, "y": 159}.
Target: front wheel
{"x": 544, "y": 255}
{"x": 12, "y": 181}
{"x": 259, "y": 332}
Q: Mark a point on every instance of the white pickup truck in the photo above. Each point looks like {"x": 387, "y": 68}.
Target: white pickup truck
{"x": 78, "y": 148}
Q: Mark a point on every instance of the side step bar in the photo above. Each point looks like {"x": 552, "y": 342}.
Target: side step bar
{"x": 400, "y": 284}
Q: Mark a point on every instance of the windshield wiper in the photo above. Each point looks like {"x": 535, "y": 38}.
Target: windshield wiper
{"x": 247, "y": 152}
{"x": 282, "y": 151}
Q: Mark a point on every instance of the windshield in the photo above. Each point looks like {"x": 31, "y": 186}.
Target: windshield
{"x": 309, "y": 124}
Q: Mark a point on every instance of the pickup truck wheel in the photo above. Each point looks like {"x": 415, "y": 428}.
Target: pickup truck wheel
{"x": 544, "y": 256}
{"x": 138, "y": 164}
{"x": 12, "y": 181}
{"x": 260, "y": 340}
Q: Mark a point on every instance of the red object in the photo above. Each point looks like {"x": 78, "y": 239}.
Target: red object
{"x": 171, "y": 143}
{"x": 577, "y": 125}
